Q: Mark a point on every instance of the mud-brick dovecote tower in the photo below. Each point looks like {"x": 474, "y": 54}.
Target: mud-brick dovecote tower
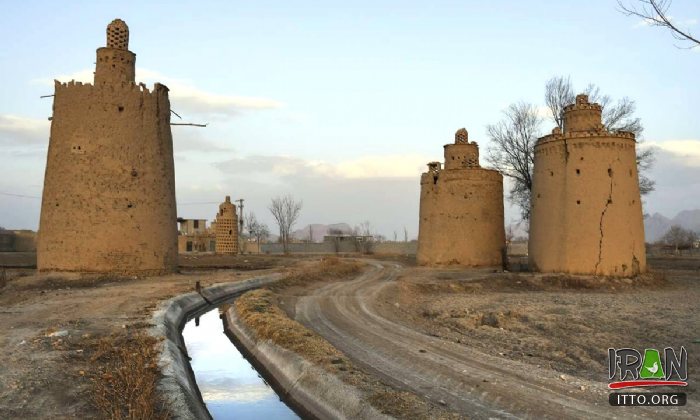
{"x": 226, "y": 228}
{"x": 586, "y": 215}
{"x": 109, "y": 188}
{"x": 461, "y": 209}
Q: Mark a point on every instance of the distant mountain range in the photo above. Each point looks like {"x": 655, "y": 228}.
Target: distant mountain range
{"x": 656, "y": 225}
{"x": 318, "y": 231}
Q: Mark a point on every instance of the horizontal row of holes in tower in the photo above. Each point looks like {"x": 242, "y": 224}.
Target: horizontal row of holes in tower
{"x": 108, "y": 59}
{"x": 610, "y": 172}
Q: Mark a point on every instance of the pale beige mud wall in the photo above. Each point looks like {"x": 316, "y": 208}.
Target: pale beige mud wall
{"x": 109, "y": 190}
{"x": 586, "y": 212}
{"x": 461, "y": 210}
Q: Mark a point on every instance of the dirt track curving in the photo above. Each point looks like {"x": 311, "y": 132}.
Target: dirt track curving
{"x": 463, "y": 379}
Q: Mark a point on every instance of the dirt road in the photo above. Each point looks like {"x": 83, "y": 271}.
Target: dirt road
{"x": 461, "y": 378}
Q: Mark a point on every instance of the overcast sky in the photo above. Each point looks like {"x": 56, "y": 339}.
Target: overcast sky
{"x": 342, "y": 103}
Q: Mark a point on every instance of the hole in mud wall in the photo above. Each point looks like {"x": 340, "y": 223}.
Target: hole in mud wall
{"x": 610, "y": 172}
{"x": 120, "y": 108}
{"x": 134, "y": 173}
{"x": 578, "y": 201}
{"x": 630, "y": 172}
{"x": 129, "y": 205}
{"x": 551, "y": 173}
{"x": 578, "y": 172}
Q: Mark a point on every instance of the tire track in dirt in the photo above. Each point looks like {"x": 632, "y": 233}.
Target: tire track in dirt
{"x": 473, "y": 383}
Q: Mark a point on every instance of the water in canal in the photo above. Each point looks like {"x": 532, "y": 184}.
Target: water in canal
{"x": 230, "y": 387}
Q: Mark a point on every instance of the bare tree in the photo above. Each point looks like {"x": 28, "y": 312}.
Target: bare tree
{"x": 679, "y": 238}
{"x": 364, "y": 240}
{"x": 617, "y": 116}
{"x": 286, "y": 211}
{"x": 256, "y": 229}
{"x": 512, "y": 151}
{"x": 655, "y": 13}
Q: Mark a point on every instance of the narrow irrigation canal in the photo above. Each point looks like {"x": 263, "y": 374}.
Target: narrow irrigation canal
{"x": 230, "y": 386}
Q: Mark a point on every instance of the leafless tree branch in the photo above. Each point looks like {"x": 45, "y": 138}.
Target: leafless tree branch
{"x": 286, "y": 211}
{"x": 655, "y": 12}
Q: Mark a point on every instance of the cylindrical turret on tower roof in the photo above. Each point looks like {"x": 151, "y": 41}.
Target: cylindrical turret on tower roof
{"x": 115, "y": 63}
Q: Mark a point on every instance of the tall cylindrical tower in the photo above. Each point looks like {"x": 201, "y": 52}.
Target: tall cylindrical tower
{"x": 108, "y": 203}
{"x": 227, "y": 228}
{"x": 461, "y": 209}
{"x": 586, "y": 215}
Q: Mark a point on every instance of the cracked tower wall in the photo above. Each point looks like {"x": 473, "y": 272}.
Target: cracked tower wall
{"x": 226, "y": 228}
{"x": 461, "y": 210}
{"x": 586, "y": 215}
{"x": 108, "y": 202}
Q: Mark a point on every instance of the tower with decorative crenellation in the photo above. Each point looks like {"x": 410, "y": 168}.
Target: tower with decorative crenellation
{"x": 586, "y": 214}
{"x": 227, "y": 228}
{"x": 108, "y": 202}
{"x": 461, "y": 209}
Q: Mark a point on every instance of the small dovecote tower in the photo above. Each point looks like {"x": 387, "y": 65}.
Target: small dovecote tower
{"x": 115, "y": 63}
{"x": 586, "y": 215}
{"x": 461, "y": 209}
{"x": 227, "y": 228}
{"x": 108, "y": 203}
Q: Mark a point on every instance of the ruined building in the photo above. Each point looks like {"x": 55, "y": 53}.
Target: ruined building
{"x": 226, "y": 228}
{"x": 461, "y": 209}
{"x": 586, "y": 212}
{"x": 195, "y": 236}
{"x": 109, "y": 189}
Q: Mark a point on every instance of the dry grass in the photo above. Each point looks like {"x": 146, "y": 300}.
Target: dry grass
{"x": 124, "y": 376}
{"x": 452, "y": 283}
{"x": 329, "y": 268}
{"x": 258, "y": 311}
{"x": 65, "y": 281}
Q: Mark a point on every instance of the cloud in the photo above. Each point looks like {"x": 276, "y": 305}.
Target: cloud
{"x": 185, "y": 98}
{"x": 16, "y": 130}
{"x": 678, "y": 23}
{"x": 684, "y": 152}
{"x": 387, "y": 166}
{"x": 230, "y": 391}
{"x": 187, "y": 141}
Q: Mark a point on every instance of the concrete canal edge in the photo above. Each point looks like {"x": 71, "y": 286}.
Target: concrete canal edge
{"x": 309, "y": 389}
{"x": 178, "y": 385}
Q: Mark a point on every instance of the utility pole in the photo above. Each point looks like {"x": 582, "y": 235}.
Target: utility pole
{"x": 240, "y": 224}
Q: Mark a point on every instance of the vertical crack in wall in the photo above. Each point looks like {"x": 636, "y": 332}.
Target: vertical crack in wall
{"x": 602, "y": 216}
{"x": 566, "y": 151}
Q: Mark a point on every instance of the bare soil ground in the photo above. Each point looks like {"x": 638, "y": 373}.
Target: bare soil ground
{"x": 489, "y": 344}
{"x": 566, "y": 323}
{"x": 66, "y": 338}
{"x": 454, "y": 337}
{"x": 259, "y": 310}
